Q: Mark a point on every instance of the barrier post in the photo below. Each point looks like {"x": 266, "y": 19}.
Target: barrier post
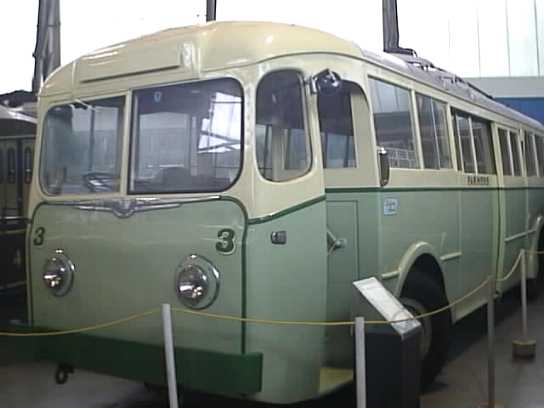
{"x": 524, "y": 347}
{"x": 169, "y": 355}
{"x": 360, "y": 361}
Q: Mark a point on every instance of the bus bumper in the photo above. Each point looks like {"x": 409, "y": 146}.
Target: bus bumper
{"x": 200, "y": 370}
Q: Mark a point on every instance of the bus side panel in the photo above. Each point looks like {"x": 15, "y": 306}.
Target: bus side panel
{"x": 288, "y": 282}
{"x": 513, "y": 237}
{"x": 409, "y": 217}
{"x": 479, "y": 225}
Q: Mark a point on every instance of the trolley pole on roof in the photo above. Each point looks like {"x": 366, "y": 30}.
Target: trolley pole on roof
{"x": 47, "y": 51}
{"x": 211, "y": 9}
{"x": 391, "y": 36}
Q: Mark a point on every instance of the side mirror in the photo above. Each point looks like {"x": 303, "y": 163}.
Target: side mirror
{"x": 383, "y": 162}
{"x": 326, "y": 82}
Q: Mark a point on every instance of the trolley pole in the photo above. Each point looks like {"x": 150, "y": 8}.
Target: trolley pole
{"x": 360, "y": 361}
{"x": 169, "y": 355}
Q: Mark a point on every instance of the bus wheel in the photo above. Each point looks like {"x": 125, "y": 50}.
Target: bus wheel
{"x": 422, "y": 295}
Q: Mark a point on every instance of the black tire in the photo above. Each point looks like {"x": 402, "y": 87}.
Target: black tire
{"x": 427, "y": 292}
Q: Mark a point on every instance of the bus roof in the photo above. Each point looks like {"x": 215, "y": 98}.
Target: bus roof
{"x": 13, "y": 123}
{"x": 221, "y": 45}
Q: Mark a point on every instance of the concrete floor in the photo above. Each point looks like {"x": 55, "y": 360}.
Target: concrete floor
{"x": 462, "y": 383}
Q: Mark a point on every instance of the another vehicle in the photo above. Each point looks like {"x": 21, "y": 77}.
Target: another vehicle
{"x": 256, "y": 170}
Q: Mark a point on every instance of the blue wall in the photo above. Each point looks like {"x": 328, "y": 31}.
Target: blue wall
{"x": 533, "y": 107}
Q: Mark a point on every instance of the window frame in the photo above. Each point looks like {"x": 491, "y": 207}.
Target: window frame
{"x": 305, "y": 117}
{"x": 413, "y": 118}
{"x": 529, "y": 137}
{"x": 123, "y": 136}
{"x": 515, "y": 133}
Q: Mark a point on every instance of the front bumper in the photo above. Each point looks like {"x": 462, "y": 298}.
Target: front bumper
{"x": 200, "y": 370}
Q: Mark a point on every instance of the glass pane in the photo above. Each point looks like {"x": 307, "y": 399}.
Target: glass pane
{"x": 429, "y": 143}
{"x": 505, "y": 152}
{"x": 336, "y": 126}
{"x": 539, "y": 143}
{"x": 484, "y": 146}
{"x": 530, "y": 154}
{"x": 463, "y": 126}
{"x": 457, "y": 142}
{"x": 12, "y": 169}
{"x": 82, "y": 147}
{"x": 282, "y": 143}
{"x": 393, "y": 123}
{"x": 28, "y": 159}
{"x": 515, "y": 153}
{"x": 187, "y": 138}
{"x": 442, "y": 134}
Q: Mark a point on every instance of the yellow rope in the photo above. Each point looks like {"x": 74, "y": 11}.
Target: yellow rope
{"x": 84, "y": 329}
{"x": 512, "y": 270}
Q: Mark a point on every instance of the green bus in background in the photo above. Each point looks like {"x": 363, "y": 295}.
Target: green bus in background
{"x": 256, "y": 170}
{"x": 17, "y": 135}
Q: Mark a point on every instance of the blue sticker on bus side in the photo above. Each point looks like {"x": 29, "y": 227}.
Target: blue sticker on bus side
{"x": 390, "y": 206}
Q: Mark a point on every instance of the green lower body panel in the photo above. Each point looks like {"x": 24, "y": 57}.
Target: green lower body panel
{"x": 200, "y": 370}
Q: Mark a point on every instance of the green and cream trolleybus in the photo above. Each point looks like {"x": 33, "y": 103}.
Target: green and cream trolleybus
{"x": 255, "y": 170}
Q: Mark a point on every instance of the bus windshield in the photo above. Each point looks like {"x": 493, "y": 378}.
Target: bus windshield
{"x": 187, "y": 137}
{"x": 82, "y": 147}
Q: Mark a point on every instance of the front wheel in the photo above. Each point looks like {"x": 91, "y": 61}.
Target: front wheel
{"x": 422, "y": 295}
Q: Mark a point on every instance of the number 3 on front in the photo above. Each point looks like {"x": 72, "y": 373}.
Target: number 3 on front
{"x": 226, "y": 241}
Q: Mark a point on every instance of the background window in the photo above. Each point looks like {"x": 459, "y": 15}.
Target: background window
{"x": 187, "y": 137}
{"x": 393, "y": 123}
{"x": 434, "y": 134}
{"x": 282, "y": 143}
{"x": 336, "y": 127}
{"x": 12, "y": 166}
{"x": 539, "y": 143}
{"x": 515, "y": 153}
{"x": 464, "y": 142}
{"x": 82, "y": 147}
{"x": 483, "y": 145}
{"x": 1, "y": 165}
{"x": 28, "y": 159}
{"x": 530, "y": 154}
{"x": 505, "y": 152}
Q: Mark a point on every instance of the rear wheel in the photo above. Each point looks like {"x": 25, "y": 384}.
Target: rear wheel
{"x": 421, "y": 295}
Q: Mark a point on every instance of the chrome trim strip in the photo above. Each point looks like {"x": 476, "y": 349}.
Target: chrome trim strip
{"x": 390, "y": 275}
{"x": 449, "y": 257}
{"x": 516, "y": 236}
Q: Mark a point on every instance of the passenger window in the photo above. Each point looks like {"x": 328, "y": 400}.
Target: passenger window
{"x": 434, "y": 134}
{"x": 540, "y": 153}
{"x": 282, "y": 142}
{"x": 1, "y": 165}
{"x": 464, "y": 142}
{"x": 505, "y": 152}
{"x": 336, "y": 127}
{"x": 393, "y": 123}
{"x": 515, "y": 153}
{"x": 530, "y": 154}
{"x": 12, "y": 170}
{"x": 483, "y": 145}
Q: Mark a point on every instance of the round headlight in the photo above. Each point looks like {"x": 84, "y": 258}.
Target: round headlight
{"x": 197, "y": 282}
{"x": 58, "y": 273}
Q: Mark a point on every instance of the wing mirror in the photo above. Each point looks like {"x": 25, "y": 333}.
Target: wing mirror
{"x": 383, "y": 162}
{"x": 326, "y": 82}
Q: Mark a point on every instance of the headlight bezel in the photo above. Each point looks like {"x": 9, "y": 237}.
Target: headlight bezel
{"x": 58, "y": 273}
{"x": 201, "y": 271}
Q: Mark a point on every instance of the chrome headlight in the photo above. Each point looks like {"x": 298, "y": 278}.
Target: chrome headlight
{"x": 197, "y": 282}
{"x": 58, "y": 273}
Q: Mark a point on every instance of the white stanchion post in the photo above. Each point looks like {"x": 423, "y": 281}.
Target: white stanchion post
{"x": 169, "y": 355}
{"x": 360, "y": 361}
{"x": 491, "y": 345}
{"x": 525, "y": 347}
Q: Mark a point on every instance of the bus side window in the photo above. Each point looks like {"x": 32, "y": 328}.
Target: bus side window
{"x": 11, "y": 166}
{"x": 515, "y": 153}
{"x": 505, "y": 152}
{"x": 434, "y": 133}
{"x": 392, "y": 109}
{"x": 1, "y": 166}
{"x": 464, "y": 142}
{"x": 539, "y": 154}
{"x": 481, "y": 131}
{"x": 530, "y": 157}
{"x": 282, "y": 141}
{"x": 336, "y": 127}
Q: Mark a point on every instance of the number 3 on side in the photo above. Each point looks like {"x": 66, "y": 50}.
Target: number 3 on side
{"x": 39, "y": 236}
{"x": 226, "y": 244}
